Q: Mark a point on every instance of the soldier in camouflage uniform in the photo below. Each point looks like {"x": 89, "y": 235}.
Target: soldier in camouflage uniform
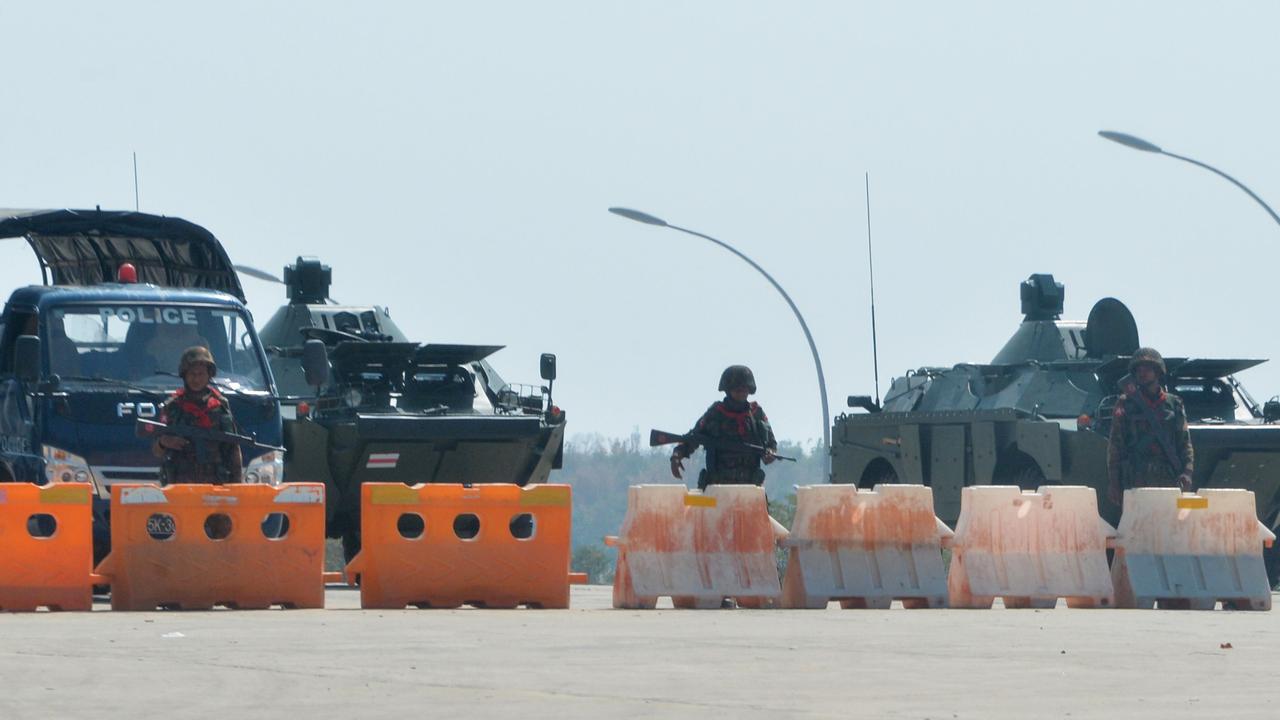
{"x": 1150, "y": 444}
{"x": 200, "y": 404}
{"x": 733, "y": 418}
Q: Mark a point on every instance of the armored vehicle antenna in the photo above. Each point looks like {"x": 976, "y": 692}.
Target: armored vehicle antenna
{"x": 871, "y": 271}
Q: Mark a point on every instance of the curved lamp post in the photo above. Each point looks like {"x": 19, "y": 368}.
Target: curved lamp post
{"x": 817, "y": 363}
{"x": 1139, "y": 144}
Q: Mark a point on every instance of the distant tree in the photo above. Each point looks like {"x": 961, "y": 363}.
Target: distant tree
{"x": 784, "y": 511}
{"x": 595, "y": 562}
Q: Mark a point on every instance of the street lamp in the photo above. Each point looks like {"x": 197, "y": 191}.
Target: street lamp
{"x": 648, "y": 219}
{"x": 1139, "y": 144}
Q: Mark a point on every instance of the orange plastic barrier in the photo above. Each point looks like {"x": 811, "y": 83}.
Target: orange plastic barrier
{"x": 446, "y": 545}
{"x": 47, "y": 539}
{"x": 1190, "y": 551}
{"x": 196, "y": 546}
{"x": 865, "y": 548}
{"x": 697, "y": 548}
{"x": 1030, "y": 548}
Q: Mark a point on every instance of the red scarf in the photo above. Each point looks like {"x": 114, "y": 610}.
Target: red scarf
{"x": 740, "y": 417}
{"x": 199, "y": 410}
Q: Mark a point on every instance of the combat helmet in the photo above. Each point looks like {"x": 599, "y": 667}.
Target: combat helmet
{"x": 193, "y": 355}
{"x": 735, "y": 376}
{"x": 1149, "y": 356}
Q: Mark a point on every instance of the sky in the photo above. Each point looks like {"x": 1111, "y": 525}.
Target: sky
{"x": 454, "y": 162}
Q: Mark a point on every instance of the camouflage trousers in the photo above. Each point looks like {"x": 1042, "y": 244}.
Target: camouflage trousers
{"x": 1154, "y": 472}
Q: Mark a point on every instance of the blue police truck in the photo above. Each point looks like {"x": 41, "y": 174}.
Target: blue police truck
{"x": 96, "y": 347}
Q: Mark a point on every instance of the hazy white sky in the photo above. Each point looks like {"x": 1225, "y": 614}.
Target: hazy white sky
{"x": 454, "y": 161}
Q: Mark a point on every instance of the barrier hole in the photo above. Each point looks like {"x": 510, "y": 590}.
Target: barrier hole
{"x": 160, "y": 526}
{"x": 217, "y": 526}
{"x": 410, "y": 525}
{"x": 42, "y": 525}
{"x": 275, "y": 526}
{"x": 466, "y": 526}
{"x": 521, "y": 526}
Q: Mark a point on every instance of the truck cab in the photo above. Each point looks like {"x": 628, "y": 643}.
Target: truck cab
{"x": 89, "y": 352}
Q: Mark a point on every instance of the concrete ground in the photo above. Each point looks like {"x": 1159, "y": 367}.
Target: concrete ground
{"x": 592, "y": 661}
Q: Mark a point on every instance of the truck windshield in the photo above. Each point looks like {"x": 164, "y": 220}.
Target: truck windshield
{"x": 141, "y": 344}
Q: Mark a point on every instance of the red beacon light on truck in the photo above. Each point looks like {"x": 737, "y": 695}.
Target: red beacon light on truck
{"x": 127, "y": 274}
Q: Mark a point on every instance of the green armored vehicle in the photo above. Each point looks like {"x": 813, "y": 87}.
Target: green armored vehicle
{"x": 1039, "y": 413}
{"x": 393, "y": 410}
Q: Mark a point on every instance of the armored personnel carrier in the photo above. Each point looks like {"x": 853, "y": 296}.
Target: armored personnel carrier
{"x": 1039, "y": 413}
{"x": 394, "y": 410}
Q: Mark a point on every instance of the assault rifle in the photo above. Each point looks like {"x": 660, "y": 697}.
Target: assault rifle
{"x": 200, "y": 436}
{"x": 658, "y": 437}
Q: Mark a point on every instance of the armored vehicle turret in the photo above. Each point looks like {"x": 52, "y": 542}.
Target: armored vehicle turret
{"x": 395, "y": 410}
{"x": 1039, "y": 413}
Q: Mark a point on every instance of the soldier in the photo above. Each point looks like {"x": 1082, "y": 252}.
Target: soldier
{"x": 200, "y": 404}
{"x": 732, "y": 418}
{"x": 1150, "y": 445}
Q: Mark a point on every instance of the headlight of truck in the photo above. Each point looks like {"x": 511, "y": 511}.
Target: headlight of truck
{"x": 267, "y": 469}
{"x": 62, "y": 466}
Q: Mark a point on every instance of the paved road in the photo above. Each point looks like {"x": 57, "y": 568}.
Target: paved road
{"x": 596, "y": 662}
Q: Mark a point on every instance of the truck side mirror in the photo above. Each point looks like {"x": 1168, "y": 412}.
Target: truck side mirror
{"x": 26, "y": 358}
{"x": 315, "y": 362}
{"x": 548, "y": 366}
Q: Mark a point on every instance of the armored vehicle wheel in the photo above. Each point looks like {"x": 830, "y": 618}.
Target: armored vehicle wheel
{"x": 879, "y": 472}
{"x": 1017, "y": 468}
{"x": 350, "y": 543}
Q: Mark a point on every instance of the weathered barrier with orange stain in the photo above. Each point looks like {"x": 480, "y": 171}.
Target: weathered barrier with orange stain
{"x": 865, "y": 548}
{"x": 445, "y": 545}
{"x": 1189, "y": 551}
{"x": 46, "y": 533}
{"x": 1030, "y": 548}
{"x": 697, "y": 548}
{"x": 197, "y": 546}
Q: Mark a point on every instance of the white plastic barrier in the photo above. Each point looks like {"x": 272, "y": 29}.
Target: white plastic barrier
{"x": 1030, "y": 548}
{"x": 1191, "y": 550}
{"x": 697, "y": 548}
{"x": 865, "y": 548}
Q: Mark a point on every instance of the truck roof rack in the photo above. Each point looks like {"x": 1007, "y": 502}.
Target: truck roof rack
{"x": 87, "y": 247}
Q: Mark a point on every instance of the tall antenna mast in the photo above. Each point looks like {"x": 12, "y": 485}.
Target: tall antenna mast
{"x": 871, "y": 271}
{"x": 135, "y": 181}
